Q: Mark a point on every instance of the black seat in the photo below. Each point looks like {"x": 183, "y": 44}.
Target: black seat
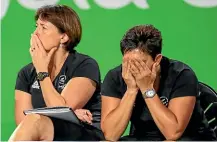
{"x": 208, "y": 102}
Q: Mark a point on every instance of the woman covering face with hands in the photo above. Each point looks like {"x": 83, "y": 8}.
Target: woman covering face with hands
{"x": 141, "y": 72}
{"x": 40, "y": 57}
{"x": 58, "y": 76}
{"x": 157, "y": 94}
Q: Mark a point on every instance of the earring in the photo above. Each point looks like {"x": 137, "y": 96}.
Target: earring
{"x": 61, "y": 45}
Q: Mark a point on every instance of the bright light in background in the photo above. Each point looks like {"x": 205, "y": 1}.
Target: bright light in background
{"x": 202, "y": 3}
{"x": 106, "y": 4}
{"x": 35, "y": 4}
{"x": 4, "y": 7}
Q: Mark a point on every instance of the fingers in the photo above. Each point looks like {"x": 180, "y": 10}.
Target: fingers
{"x": 31, "y": 51}
{"x": 34, "y": 46}
{"x": 145, "y": 66}
{"x": 87, "y": 119}
{"x": 89, "y": 114}
{"x": 124, "y": 65}
{"x": 31, "y": 41}
{"x": 141, "y": 64}
{"x": 84, "y": 115}
{"x": 34, "y": 43}
{"x": 135, "y": 67}
{"x": 39, "y": 44}
{"x": 79, "y": 114}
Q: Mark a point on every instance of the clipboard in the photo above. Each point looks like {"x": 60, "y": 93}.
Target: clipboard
{"x": 63, "y": 113}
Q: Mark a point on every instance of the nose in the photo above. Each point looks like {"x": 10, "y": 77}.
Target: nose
{"x": 37, "y": 31}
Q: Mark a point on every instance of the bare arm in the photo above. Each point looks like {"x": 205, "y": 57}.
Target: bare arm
{"x": 173, "y": 120}
{"x": 116, "y": 114}
{"x": 23, "y": 99}
{"x": 80, "y": 89}
{"x": 22, "y": 102}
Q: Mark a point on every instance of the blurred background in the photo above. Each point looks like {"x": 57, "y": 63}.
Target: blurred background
{"x": 189, "y": 30}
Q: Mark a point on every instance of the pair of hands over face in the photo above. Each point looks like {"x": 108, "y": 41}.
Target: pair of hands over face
{"x": 136, "y": 72}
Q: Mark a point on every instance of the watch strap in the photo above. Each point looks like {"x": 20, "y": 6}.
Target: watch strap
{"x": 42, "y": 75}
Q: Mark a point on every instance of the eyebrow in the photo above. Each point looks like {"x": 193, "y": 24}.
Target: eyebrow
{"x": 40, "y": 24}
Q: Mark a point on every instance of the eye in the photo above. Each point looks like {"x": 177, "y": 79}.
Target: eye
{"x": 44, "y": 27}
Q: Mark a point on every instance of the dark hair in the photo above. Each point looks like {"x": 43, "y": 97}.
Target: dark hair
{"x": 145, "y": 37}
{"x": 65, "y": 19}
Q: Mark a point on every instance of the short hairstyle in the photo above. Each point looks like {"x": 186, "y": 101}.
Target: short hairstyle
{"x": 65, "y": 19}
{"x": 145, "y": 37}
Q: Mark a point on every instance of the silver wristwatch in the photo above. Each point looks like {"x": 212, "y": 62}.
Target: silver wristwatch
{"x": 149, "y": 93}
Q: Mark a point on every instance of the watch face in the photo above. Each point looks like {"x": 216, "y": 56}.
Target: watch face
{"x": 40, "y": 76}
{"x": 150, "y": 93}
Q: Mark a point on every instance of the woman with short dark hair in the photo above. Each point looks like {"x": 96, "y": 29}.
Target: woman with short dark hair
{"x": 58, "y": 76}
{"x": 157, "y": 94}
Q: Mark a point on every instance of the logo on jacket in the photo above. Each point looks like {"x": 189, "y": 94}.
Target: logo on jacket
{"x": 164, "y": 100}
{"x": 35, "y": 85}
{"x": 61, "y": 83}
